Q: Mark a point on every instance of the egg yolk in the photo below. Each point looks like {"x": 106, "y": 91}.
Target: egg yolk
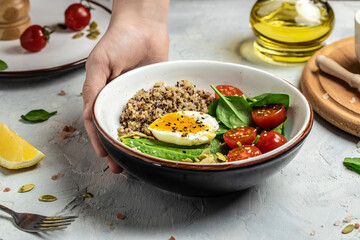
{"x": 175, "y": 122}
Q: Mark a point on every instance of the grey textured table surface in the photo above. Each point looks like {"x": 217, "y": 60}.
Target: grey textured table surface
{"x": 302, "y": 201}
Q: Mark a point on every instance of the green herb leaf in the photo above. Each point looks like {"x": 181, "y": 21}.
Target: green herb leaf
{"x": 3, "y": 65}
{"x": 38, "y": 115}
{"x": 212, "y": 107}
{"x": 281, "y": 128}
{"x": 233, "y": 111}
{"x": 270, "y": 98}
{"x": 220, "y": 132}
{"x": 353, "y": 164}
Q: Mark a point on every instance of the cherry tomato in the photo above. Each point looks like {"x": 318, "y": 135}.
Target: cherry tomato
{"x": 77, "y": 16}
{"x": 269, "y": 141}
{"x": 243, "y": 152}
{"x": 269, "y": 116}
{"x": 34, "y": 38}
{"x": 228, "y": 90}
{"x": 244, "y": 135}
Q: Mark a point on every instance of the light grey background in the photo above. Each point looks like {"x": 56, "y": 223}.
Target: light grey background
{"x": 303, "y": 201}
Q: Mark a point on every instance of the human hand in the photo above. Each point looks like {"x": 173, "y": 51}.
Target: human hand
{"x": 136, "y": 36}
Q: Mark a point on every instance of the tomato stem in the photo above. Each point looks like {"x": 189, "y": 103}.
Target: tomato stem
{"x": 48, "y": 30}
{"x": 256, "y": 140}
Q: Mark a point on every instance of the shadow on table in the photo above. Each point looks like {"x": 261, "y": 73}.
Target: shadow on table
{"x": 26, "y": 80}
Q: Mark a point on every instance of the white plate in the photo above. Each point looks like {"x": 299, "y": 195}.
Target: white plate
{"x": 62, "y": 52}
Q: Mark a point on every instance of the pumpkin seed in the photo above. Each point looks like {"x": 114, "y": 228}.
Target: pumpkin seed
{"x": 47, "y": 198}
{"x": 206, "y": 151}
{"x": 147, "y": 131}
{"x": 220, "y": 157}
{"x": 87, "y": 195}
{"x": 26, "y": 188}
{"x": 202, "y": 156}
{"x": 208, "y": 159}
{"x": 93, "y": 25}
{"x": 187, "y": 160}
{"x": 348, "y": 229}
{"x": 94, "y": 31}
{"x": 92, "y": 36}
{"x": 78, "y": 35}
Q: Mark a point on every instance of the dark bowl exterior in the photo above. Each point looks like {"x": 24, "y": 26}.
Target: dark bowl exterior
{"x": 199, "y": 183}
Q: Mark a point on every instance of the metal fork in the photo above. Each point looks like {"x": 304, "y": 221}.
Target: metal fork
{"x": 37, "y": 223}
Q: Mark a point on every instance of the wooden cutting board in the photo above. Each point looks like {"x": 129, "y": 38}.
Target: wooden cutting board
{"x": 332, "y": 98}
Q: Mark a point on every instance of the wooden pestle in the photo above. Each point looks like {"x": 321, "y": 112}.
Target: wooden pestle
{"x": 14, "y": 18}
{"x": 333, "y": 68}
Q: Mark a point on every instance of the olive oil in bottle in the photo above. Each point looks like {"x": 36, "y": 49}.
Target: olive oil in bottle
{"x": 290, "y": 31}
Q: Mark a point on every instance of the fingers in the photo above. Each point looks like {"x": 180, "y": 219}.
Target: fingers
{"x": 114, "y": 167}
{"x": 91, "y": 131}
{"x": 95, "y": 80}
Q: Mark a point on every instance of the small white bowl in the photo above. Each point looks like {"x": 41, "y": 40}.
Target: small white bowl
{"x": 169, "y": 174}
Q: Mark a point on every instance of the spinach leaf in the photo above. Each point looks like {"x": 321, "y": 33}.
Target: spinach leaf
{"x": 170, "y": 151}
{"x": 281, "y": 128}
{"x": 222, "y": 129}
{"x": 3, "y": 65}
{"x": 353, "y": 164}
{"x": 270, "y": 98}
{"x": 212, "y": 107}
{"x": 38, "y": 115}
{"x": 233, "y": 111}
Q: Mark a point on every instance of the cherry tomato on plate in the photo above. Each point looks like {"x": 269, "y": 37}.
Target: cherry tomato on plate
{"x": 243, "y": 152}
{"x": 269, "y": 116}
{"x": 228, "y": 90}
{"x": 269, "y": 141}
{"x": 244, "y": 135}
{"x": 77, "y": 16}
{"x": 34, "y": 38}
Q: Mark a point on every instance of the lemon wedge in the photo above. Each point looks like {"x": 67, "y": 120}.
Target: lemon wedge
{"x": 15, "y": 152}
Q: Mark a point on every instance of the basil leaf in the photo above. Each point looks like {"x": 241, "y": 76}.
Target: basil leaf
{"x": 212, "y": 107}
{"x": 3, "y": 65}
{"x": 270, "y": 98}
{"x": 281, "y": 128}
{"x": 38, "y": 115}
{"x": 353, "y": 164}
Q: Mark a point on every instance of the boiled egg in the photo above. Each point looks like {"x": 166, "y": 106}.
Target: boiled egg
{"x": 185, "y": 128}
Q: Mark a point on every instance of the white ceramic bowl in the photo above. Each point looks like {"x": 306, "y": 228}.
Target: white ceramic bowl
{"x": 112, "y": 100}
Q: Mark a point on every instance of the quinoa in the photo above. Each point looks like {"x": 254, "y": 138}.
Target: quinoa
{"x": 147, "y": 106}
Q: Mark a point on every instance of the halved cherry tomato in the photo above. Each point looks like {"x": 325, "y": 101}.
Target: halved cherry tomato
{"x": 269, "y": 141}
{"x": 228, "y": 90}
{"x": 77, "y": 16}
{"x": 269, "y": 116}
{"x": 244, "y": 135}
{"x": 243, "y": 152}
{"x": 34, "y": 38}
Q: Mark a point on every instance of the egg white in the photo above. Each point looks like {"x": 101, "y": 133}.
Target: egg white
{"x": 175, "y": 136}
